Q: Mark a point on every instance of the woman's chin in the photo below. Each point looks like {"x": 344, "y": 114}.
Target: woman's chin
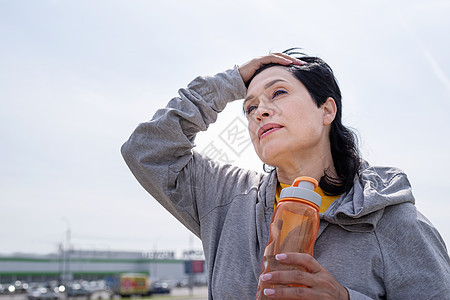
{"x": 270, "y": 156}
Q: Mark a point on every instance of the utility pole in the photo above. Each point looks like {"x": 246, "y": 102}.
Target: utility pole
{"x": 66, "y": 251}
{"x": 61, "y": 263}
{"x": 191, "y": 274}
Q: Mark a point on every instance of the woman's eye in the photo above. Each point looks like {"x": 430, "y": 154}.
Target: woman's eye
{"x": 278, "y": 92}
{"x": 249, "y": 109}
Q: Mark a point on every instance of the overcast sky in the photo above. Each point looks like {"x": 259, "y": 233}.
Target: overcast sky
{"x": 76, "y": 77}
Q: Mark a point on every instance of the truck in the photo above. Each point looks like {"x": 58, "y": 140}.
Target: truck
{"x": 129, "y": 284}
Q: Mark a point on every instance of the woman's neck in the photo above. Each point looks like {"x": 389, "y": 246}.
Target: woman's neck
{"x": 313, "y": 167}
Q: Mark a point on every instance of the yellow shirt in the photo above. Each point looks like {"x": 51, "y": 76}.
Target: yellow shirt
{"x": 326, "y": 200}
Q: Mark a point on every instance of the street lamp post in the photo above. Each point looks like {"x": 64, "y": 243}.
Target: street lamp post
{"x": 66, "y": 253}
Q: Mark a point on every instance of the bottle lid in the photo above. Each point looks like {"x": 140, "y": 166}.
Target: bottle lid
{"x": 302, "y": 188}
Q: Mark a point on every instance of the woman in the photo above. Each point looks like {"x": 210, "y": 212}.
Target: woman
{"x": 372, "y": 242}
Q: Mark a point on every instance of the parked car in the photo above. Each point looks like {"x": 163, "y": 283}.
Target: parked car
{"x": 42, "y": 292}
{"x": 77, "y": 290}
{"x": 160, "y": 287}
{"x": 20, "y": 287}
{"x": 10, "y": 288}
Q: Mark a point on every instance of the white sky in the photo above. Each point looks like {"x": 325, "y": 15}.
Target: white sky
{"x": 76, "y": 77}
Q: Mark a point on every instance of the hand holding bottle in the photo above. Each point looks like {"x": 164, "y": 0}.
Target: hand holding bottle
{"x": 313, "y": 282}
{"x": 289, "y": 269}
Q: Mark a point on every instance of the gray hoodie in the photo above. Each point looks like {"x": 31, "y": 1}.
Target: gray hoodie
{"x": 372, "y": 240}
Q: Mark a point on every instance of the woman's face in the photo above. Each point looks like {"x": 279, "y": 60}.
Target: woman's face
{"x": 284, "y": 122}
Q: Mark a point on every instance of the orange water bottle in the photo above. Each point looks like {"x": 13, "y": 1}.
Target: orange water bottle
{"x": 294, "y": 227}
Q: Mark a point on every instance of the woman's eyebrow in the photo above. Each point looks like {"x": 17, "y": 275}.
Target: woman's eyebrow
{"x": 266, "y": 86}
{"x": 270, "y": 83}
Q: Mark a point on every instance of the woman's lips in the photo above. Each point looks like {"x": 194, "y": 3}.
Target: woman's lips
{"x": 267, "y": 129}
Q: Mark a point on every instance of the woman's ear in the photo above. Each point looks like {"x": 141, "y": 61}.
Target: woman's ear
{"x": 329, "y": 111}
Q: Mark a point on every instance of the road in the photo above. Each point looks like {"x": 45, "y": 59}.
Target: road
{"x": 198, "y": 293}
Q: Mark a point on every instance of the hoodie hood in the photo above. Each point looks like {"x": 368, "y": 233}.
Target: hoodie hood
{"x": 376, "y": 188}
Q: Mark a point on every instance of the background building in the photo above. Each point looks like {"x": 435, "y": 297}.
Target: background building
{"x": 95, "y": 265}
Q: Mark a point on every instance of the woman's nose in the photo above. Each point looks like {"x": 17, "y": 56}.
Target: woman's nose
{"x": 263, "y": 111}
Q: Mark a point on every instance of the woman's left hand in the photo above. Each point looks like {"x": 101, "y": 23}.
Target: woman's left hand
{"x": 316, "y": 282}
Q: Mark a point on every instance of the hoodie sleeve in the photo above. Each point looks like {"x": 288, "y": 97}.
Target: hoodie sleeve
{"x": 159, "y": 150}
{"x": 416, "y": 262}
{"x": 354, "y": 295}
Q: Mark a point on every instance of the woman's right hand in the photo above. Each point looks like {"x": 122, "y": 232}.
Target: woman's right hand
{"x": 249, "y": 68}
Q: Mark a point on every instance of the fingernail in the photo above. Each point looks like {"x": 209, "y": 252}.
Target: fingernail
{"x": 269, "y": 292}
{"x": 280, "y": 256}
{"x": 266, "y": 277}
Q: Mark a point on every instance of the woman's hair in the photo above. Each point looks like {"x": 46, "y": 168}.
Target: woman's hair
{"x": 318, "y": 78}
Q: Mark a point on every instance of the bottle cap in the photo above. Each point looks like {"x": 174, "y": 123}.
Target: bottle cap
{"x": 302, "y": 188}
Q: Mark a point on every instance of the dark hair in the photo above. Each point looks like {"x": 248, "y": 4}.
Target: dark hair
{"x": 318, "y": 78}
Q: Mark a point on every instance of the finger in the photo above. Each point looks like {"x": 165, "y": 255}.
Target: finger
{"x": 296, "y": 277}
{"x": 300, "y": 259}
{"x": 294, "y": 60}
{"x": 270, "y": 59}
{"x": 290, "y": 293}
{"x": 248, "y": 69}
{"x": 280, "y": 58}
